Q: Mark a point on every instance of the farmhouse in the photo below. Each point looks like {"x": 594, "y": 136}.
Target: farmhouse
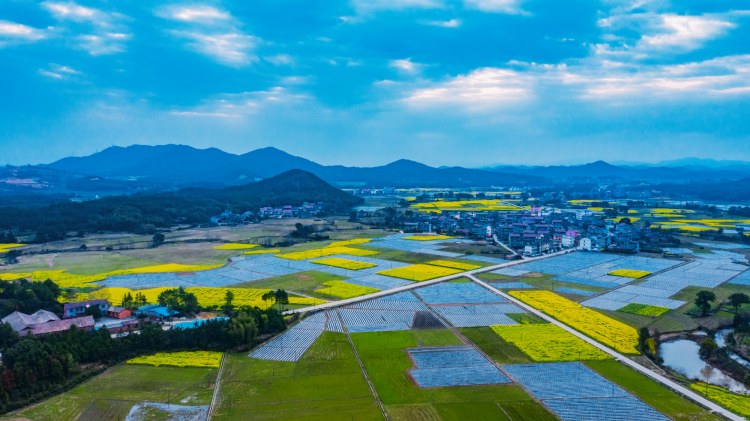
{"x": 118, "y": 312}
{"x": 80, "y": 308}
{"x": 155, "y": 312}
{"x": 43, "y": 322}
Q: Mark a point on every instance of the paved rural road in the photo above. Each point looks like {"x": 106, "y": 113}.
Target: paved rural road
{"x": 619, "y": 357}
{"x": 413, "y": 285}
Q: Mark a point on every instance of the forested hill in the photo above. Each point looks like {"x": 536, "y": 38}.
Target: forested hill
{"x": 191, "y": 206}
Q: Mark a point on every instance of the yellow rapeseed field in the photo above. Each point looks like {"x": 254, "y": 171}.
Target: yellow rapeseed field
{"x": 235, "y": 246}
{"x": 545, "y": 342}
{"x": 630, "y": 273}
{"x": 6, "y": 247}
{"x": 262, "y": 251}
{"x": 439, "y": 206}
{"x": 419, "y": 272}
{"x": 608, "y": 331}
{"x": 325, "y": 252}
{"x": 207, "y": 359}
{"x": 454, "y": 265}
{"x": 739, "y": 404}
{"x": 349, "y": 242}
{"x": 344, "y": 263}
{"x": 341, "y": 289}
{"x": 427, "y": 237}
{"x": 165, "y": 268}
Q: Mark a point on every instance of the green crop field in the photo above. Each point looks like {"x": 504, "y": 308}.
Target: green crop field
{"x": 327, "y": 382}
{"x": 302, "y": 282}
{"x": 496, "y": 347}
{"x": 111, "y": 395}
{"x": 386, "y": 361}
{"x": 652, "y": 393}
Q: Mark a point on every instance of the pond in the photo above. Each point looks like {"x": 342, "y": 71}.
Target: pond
{"x": 682, "y": 356}
{"x": 721, "y": 340}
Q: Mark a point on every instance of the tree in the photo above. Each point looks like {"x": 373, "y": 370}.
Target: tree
{"x": 737, "y": 299}
{"x": 127, "y": 300}
{"x": 269, "y": 296}
{"x": 140, "y": 299}
{"x": 158, "y": 239}
{"x": 179, "y": 300}
{"x": 228, "y": 306}
{"x": 281, "y": 297}
{"x": 703, "y": 300}
{"x": 708, "y": 347}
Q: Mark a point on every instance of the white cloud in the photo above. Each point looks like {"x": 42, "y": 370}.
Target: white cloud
{"x": 483, "y": 88}
{"x": 686, "y": 32}
{"x": 512, "y": 7}
{"x": 195, "y": 13}
{"x": 12, "y": 31}
{"x": 451, "y": 23}
{"x": 213, "y": 32}
{"x": 56, "y": 71}
{"x": 370, "y": 6}
{"x": 99, "y": 32}
{"x": 241, "y": 105}
{"x": 280, "y": 59}
{"x": 405, "y": 66}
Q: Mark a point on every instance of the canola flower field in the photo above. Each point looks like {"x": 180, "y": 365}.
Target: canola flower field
{"x": 545, "y": 342}
{"x": 630, "y": 273}
{"x": 419, "y": 272}
{"x": 343, "y": 290}
{"x": 208, "y": 359}
{"x": 325, "y": 252}
{"x": 207, "y": 297}
{"x": 608, "y": 331}
{"x": 427, "y": 237}
{"x": 453, "y": 265}
{"x": 344, "y": 263}
{"x": 439, "y": 206}
{"x": 6, "y": 247}
{"x": 739, "y": 404}
{"x": 262, "y": 251}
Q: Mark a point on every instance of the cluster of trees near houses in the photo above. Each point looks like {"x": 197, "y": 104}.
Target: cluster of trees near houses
{"x": 140, "y": 212}
{"x": 36, "y": 367}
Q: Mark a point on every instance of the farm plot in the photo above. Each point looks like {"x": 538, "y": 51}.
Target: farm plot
{"x": 630, "y": 273}
{"x": 453, "y": 366}
{"x": 235, "y": 246}
{"x": 451, "y": 293}
{"x": 390, "y": 313}
{"x": 343, "y": 290}
{"x": 325, "y": 383}
{"x": 387, "y": 364}
{"x": 344, "y": 263}
{"x": 113, "y": 394}
{"x": 427, "y": 245}
{"x": 574, "y": 392}
{"x": 468, "y": 304}
{"x": 644, "y": 310}
{"x": 544, "y": 342}
{"x": 596, "y": 325}
{"x": 290, "y": 345}
{"x": 511, "y": 271}
{"x": 454, "y": 265}
{"x": 574, "y": 291}
{"x": 420, "y": 272}
{"x": 739, "y": 404}
{"x": 180, "y": 359}
{"x": 325, "y": 252}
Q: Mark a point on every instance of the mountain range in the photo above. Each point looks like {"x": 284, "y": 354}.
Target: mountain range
{"x": 138, "y": 168}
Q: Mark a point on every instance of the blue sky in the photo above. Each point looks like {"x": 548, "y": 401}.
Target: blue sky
{"x": 365, "y": 82}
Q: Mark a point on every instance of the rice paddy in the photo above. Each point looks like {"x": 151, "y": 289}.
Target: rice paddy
{"x": 208, "y": 359}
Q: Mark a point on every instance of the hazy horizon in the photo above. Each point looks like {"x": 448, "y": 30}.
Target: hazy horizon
{"x": 365, "y": 82}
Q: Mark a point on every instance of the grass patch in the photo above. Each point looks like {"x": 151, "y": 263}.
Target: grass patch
{"x": 651, "y": 392}
{"x": 644, "y": 310}
{"x": 327, "y": 380}
{"x": 547, "y": 343}
{"x": 341, "y": 289}
{"x": 112, "y": 394}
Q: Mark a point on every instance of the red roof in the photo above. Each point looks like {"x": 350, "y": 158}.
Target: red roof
{"x": 85, "y": 322}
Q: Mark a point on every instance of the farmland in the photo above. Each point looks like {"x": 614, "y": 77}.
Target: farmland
{"x": 344, "y": 263}
{"x": 547, "y": 342}
{"x": 610, "y": 332}
{"x": 420, "y": 272}
{"x": 110, "y": 396}
{"x": 180, "y": 359}
{"x": 343, "y": 290}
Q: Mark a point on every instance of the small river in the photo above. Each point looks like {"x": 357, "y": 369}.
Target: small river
{"x": 682, "y": 356}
